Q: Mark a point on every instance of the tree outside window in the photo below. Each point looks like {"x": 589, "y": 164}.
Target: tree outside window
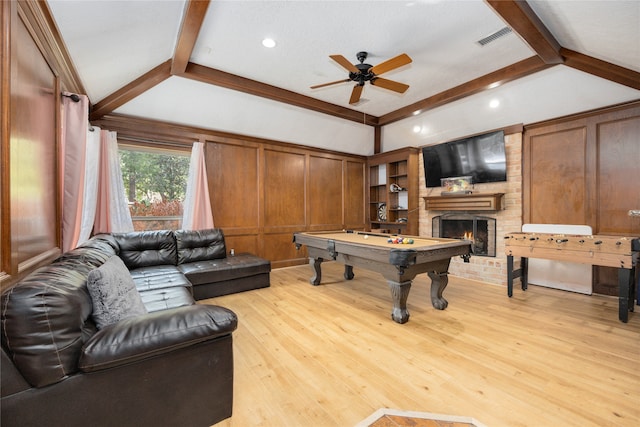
{"x": 155, "y": 182}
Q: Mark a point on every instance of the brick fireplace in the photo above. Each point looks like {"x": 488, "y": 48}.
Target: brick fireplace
{"x": 507, "y": 219}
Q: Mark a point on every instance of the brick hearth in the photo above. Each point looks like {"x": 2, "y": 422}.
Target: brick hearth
{"x": 509, "y": 219}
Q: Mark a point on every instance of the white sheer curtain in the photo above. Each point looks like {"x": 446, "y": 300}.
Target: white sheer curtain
{"x": 112, "y": 211}
{"x": 91, "y": 173}
{"x": 197, "y": 204}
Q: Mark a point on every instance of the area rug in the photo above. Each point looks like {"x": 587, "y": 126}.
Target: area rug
{"x": 394, "y": 418}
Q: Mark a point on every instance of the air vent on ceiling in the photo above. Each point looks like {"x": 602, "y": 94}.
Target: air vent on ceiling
{"x": 495, "y": 36}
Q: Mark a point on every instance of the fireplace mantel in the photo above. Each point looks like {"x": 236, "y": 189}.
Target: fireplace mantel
{"x": 465, "y": 202}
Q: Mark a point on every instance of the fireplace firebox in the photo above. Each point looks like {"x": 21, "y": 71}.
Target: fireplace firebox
{"x": 481, "y": 230}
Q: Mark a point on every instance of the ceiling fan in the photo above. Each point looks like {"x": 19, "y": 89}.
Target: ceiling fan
{"x": 361, "y": 73}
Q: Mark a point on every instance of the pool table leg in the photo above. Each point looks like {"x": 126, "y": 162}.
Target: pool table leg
{"x": 317, "y": 272}
{"x": 399, "y": 294}
{"x": 439, "y": 281}
{"x": 348, "y": 272}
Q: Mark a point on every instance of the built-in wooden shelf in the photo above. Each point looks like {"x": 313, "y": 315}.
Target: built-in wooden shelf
{"x": 393, "y": 210}
{"x": 465, "y": 202}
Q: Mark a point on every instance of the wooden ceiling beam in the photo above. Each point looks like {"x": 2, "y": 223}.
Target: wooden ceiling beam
{"x": 523, "y": 20}
{"x": 488, "y": 81}
{"x": 189, "y": 30}
{"x": 131, "y": 90}
{"x": 516, "y": 13}
{"x": 597, "y": 67}
{"x": 253, "y": 87}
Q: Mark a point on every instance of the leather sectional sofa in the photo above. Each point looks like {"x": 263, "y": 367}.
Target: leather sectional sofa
{"x": 171, "y": 366}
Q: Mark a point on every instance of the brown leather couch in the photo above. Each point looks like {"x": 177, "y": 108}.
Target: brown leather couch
{"x": 170, "y": 367}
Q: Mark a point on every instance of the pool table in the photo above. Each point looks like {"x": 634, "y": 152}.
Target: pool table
{"x": 399, "y": 263}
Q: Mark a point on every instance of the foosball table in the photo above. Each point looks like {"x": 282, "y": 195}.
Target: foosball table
{"x": 610, "y": 251}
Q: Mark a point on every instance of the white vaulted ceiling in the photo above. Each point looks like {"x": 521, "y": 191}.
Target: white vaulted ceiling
{"x": 113, "y": 43}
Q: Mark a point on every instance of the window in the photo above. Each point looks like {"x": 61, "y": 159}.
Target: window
{"x": 155, "y": 182}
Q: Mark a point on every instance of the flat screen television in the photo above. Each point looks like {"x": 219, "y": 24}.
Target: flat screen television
{"x": 482, "y": 157}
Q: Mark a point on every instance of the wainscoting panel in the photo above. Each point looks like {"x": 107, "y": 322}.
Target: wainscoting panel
{"x": 284, "y": 179}
{"x": 30, "y": 221}
{"x": 354, "y": 195}
{"x": 262, "y": 193}
{"x": 619, "y": 176}
{"x": 324, "y": 206}
{"x": 557, "y": 177}
{"x": 233, "y": 172}
{"x": 282, "y": 249}
{"x": 242, "y": 243}
{"x": 584, "y": 170}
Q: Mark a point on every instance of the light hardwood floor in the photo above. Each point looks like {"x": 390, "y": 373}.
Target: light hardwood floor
{"x": 331, "y": 355}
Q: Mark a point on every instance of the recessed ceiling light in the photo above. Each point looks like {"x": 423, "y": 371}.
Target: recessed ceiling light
{"x": 495, "y": 103}
{"x": 415, "y": 113}
{"x": 417, "y": 129}
{"x": 269, "y": 43}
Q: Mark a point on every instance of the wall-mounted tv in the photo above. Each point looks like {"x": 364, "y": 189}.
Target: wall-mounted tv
{"x": 481, "y": 157}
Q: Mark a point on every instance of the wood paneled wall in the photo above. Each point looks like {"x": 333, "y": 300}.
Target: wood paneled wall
{"x": 33, "y": 75}
{"x": 262, "y": 193}
{"x": 585, "y": 170}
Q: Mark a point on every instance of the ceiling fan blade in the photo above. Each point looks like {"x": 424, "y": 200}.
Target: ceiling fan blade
{"x": 391, "y": 64}
{"x": 345, "y": 63}
{"x": 330, "y": 83}
{"x": 390, "y": 84}
{"x": 355, "y": 94}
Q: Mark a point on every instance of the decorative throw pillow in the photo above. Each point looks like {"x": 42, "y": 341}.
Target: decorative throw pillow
{"x": 113, "y": 293}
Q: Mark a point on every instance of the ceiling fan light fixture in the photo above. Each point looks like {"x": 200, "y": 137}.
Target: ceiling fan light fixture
{"x": 361, "y": 73}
